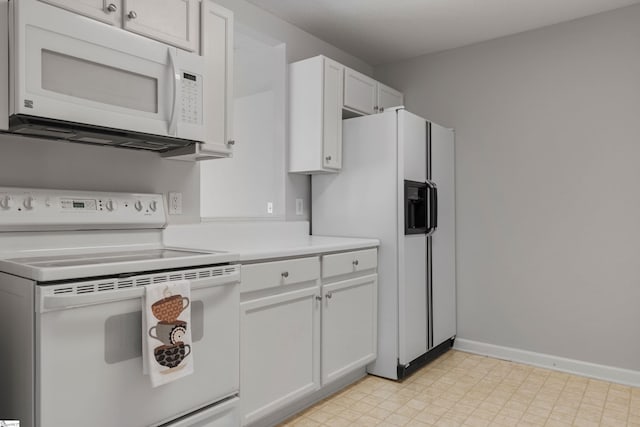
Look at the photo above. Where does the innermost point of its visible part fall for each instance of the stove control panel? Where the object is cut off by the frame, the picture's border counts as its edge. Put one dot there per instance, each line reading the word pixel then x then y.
pixel 30 209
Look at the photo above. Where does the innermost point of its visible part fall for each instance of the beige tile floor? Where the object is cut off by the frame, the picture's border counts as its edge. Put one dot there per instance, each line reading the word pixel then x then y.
pixel 461 389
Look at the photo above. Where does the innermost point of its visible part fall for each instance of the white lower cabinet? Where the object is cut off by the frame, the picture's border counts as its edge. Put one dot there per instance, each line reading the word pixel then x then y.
pixel 298 333
pixel 349 325
pixel 279 351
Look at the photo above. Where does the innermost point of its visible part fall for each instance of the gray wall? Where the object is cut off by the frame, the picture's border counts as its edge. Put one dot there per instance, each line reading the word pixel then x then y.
pixel 547 168
pixel 26 162
pixel 50 164
pixel 300 45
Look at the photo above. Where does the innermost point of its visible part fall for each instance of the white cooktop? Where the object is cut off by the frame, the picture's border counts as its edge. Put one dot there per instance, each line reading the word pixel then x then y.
pixel 75 260
pixel 53 235
pixel 55 267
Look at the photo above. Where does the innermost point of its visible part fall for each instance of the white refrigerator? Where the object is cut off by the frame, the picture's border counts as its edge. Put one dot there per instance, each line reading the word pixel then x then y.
pixel 397 185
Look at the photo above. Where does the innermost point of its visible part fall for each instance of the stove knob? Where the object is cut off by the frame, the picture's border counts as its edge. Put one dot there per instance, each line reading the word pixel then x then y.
pixel 29 203
pixel 138 205
pixel 6 202
pixel 153 205
pixel 111 205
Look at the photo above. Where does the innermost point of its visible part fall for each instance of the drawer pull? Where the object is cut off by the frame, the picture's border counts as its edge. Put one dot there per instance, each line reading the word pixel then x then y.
pixel 285 274
pixel 329 295
pixel 355 262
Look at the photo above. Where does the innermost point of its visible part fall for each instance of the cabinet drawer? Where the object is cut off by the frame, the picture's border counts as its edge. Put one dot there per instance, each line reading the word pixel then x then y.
pixel 349 262
pixel 277 273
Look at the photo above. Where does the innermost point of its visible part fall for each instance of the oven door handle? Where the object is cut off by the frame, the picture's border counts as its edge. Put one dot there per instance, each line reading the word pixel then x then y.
pixel 53 302
pixel 62 301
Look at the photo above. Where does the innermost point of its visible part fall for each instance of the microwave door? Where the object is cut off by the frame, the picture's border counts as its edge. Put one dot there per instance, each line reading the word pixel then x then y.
pixel 72 69
pixel 187 119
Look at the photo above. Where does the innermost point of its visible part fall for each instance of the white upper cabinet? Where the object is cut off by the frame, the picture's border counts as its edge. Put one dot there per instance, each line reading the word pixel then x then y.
pixel 107 11
pixel 321 93
pixel 216 47
pixel 332 126
pixel 360 92
pixel 364 95
pixel 174 22
pixel 315 115
pixel 388 97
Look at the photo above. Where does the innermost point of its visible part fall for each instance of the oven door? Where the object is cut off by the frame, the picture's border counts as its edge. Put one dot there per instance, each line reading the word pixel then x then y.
pixel 89 368
pixel 71 68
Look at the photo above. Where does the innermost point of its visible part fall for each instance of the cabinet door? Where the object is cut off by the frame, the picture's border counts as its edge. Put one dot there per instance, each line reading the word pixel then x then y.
pixel 332 115
pixel 349 325
pixel 174 22
pixel 217 49
pixel 107 11
pixel 279 351
pixel 388 97
pixel 359 92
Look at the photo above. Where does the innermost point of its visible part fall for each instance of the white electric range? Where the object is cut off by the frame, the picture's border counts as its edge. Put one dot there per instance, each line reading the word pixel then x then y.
pixel 73 266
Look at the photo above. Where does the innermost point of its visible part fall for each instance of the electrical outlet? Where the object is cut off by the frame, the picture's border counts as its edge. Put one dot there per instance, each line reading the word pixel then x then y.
pixel 175 203
pixel 299 207
pixel 269 207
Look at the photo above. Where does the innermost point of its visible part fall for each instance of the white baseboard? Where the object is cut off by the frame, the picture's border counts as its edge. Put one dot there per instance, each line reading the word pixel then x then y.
pixel 572 366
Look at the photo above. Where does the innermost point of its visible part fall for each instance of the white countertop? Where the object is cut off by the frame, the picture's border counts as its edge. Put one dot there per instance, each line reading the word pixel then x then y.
pixel 260 241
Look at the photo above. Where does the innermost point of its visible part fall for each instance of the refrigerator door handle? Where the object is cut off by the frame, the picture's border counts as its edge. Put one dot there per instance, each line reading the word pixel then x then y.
pixel 433 208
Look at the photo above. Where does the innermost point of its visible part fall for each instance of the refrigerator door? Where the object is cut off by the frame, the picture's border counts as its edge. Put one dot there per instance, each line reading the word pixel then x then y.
pixel 412 274
pixel 412 146
pixel 443 239
pixel 412 290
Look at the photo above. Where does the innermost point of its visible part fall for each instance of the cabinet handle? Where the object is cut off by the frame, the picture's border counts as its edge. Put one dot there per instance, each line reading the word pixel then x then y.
pixel 132 14
pixel 375 108
pixel 285 274
pixel 328 158
pixel 355 262
pixel 112 7
pixel 380 110
pixel 318 298
pixel 329 294
pixel 231 142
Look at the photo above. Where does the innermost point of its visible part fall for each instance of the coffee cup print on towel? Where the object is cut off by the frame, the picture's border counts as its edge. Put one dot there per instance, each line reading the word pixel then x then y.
pixel 169 333
pixel 169 308
pixel 171 355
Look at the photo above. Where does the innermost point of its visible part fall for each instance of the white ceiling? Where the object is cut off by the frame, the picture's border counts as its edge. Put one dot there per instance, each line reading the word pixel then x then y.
pixel 382 31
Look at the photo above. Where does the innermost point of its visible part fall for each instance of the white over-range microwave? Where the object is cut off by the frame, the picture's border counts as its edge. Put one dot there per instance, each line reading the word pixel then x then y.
pixel 74 78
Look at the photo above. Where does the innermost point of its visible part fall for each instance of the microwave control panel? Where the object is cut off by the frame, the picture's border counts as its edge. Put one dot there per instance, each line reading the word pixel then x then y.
pixel 191 85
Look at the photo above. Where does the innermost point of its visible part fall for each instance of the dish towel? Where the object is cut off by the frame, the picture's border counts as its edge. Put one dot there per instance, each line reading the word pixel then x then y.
pixel 166 332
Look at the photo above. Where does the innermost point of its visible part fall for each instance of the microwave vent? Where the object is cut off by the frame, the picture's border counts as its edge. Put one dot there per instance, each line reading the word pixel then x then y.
pixel 144 145
pixel 48 128
pixel 93 140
